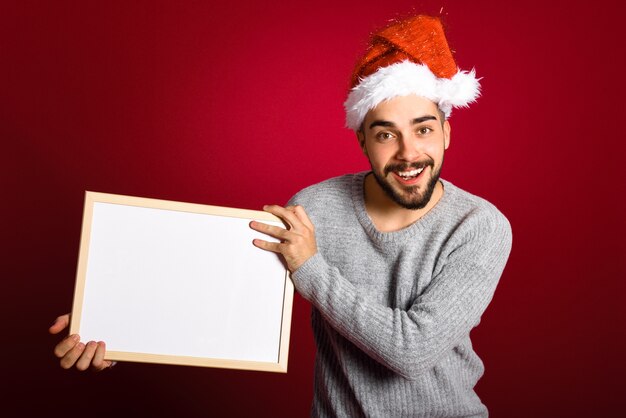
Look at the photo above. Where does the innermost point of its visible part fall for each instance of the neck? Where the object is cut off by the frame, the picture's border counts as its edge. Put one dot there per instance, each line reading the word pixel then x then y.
pixel 386 214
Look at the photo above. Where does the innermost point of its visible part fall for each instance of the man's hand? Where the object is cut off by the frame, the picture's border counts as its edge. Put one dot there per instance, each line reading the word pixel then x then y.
pixel 72 352
pixel 297 242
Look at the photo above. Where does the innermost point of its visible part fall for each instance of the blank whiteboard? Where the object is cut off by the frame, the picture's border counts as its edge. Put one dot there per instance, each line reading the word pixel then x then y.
pixel 180 283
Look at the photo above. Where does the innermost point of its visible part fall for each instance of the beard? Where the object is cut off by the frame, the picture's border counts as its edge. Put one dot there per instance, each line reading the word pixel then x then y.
pixel 409 197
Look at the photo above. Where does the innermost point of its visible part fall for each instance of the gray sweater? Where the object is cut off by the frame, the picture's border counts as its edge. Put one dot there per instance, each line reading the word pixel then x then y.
pixel 392 312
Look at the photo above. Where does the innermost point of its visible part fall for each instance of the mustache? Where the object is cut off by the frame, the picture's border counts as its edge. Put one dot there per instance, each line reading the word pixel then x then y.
pixel 410 166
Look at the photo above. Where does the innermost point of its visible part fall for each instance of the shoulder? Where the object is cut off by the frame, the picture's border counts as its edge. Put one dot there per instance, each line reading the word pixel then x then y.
pixel 330 202
pixel 333 189
pixel 475 215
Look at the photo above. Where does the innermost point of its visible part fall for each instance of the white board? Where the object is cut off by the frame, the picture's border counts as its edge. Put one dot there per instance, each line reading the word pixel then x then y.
pixel 179 283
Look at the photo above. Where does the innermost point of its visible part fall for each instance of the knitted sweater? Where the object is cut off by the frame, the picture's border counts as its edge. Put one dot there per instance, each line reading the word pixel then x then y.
pixel 392 312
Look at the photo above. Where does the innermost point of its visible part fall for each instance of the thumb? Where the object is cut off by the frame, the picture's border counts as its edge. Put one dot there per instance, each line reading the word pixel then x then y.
pixel 59 324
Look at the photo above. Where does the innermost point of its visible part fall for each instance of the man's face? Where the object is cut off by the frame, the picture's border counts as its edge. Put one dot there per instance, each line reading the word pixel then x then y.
pixel 405 139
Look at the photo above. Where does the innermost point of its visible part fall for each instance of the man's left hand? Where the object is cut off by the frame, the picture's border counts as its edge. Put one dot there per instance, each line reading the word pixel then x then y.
pixel 297 242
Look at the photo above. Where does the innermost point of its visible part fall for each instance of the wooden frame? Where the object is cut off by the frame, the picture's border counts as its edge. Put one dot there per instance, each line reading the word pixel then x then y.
pixel 180 283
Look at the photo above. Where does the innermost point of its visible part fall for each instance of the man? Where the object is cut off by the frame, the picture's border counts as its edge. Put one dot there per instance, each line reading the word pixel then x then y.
pixel 398 264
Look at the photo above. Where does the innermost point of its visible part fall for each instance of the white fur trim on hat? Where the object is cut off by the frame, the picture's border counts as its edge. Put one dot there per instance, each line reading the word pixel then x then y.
pixel 406 78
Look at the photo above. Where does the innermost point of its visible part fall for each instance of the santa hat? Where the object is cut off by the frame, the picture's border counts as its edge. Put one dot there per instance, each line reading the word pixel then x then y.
pixel 409 57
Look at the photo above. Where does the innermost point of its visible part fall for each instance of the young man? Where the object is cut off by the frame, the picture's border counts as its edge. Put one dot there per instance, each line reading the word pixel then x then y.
pixel 398 264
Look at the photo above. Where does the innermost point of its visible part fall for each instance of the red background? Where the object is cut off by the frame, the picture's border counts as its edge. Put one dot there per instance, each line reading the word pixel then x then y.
pixel 240 104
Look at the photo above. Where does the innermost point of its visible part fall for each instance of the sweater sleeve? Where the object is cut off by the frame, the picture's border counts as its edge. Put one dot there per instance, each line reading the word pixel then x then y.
pixel 412 341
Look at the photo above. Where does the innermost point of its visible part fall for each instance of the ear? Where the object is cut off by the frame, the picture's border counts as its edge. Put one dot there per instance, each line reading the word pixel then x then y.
pixel 361 137
pixel 446 134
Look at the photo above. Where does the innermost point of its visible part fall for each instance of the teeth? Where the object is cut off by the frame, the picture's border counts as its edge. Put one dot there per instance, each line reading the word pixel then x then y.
pixel 412 173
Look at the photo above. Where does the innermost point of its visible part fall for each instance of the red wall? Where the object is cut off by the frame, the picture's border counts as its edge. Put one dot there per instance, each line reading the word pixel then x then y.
pixel 240 104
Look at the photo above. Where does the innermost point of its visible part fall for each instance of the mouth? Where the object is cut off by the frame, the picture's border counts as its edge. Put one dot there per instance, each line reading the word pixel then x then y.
pixel 408 176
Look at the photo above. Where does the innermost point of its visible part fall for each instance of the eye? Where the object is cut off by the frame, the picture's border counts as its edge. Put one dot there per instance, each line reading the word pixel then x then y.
pixel 384 136
pixel 424 130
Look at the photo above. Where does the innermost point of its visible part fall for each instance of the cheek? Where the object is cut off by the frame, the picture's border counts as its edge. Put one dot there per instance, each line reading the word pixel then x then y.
pixel 435 151
pixel 377 160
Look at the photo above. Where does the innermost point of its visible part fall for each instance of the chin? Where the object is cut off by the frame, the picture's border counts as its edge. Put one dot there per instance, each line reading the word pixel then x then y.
pixel 413 202
pixel 408 197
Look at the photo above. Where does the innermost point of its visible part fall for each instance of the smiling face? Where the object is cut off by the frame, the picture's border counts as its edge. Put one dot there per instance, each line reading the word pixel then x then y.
pixel 405 139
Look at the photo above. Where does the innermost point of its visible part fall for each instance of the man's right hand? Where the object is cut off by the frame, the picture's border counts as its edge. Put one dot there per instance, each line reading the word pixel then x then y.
pixel 72 352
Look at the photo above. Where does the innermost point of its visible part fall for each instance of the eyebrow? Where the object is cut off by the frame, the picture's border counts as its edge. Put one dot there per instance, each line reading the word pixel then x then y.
pixel 388 124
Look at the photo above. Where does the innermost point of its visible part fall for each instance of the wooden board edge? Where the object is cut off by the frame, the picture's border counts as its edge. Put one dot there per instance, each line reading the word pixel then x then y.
pixel 81 270
pixel 182 206
pixel 194 361
pixel 283 357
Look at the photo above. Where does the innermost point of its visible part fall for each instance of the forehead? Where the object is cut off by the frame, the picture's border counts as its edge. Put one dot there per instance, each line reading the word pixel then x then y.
pixel 402 109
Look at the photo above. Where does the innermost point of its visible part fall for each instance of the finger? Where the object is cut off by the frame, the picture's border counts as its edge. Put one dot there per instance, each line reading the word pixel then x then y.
pixel 99 363
pixel 59 324
pixel 66 345
pixel 72 356
pixel 304 218
pixel 284 214
pixel 271 230
pixel 274 247
pixel 290 208
pixel 84 361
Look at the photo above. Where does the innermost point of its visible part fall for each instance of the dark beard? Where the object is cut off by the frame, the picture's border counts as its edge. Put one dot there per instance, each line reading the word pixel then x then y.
pixel 414 201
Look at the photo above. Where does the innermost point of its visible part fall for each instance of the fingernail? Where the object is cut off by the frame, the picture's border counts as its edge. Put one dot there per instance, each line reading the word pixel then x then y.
pixel 75 337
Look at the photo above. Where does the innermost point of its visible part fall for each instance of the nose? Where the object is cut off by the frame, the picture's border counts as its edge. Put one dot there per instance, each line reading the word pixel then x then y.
pixel 407 149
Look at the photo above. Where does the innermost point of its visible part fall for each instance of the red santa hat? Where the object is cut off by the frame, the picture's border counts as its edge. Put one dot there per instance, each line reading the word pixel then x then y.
pixel 409 57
